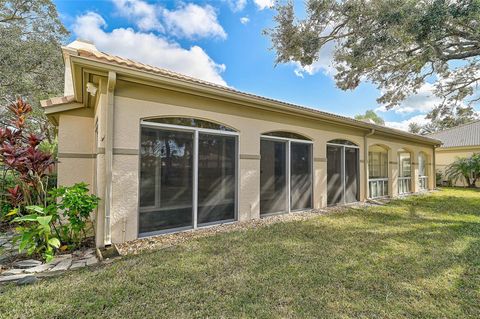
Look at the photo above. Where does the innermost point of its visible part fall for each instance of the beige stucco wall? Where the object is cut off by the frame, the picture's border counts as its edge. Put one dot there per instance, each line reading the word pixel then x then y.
pixel 446 156
pixel 75 148
pixel 134 102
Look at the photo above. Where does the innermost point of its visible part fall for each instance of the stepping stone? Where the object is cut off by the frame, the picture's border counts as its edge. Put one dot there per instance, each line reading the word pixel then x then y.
pixel 12 272
pixel 4 279
pixel 91 261
pixel 27 263
pixel 63 265
pixel 78 264
pixel 28 280
pixel 39 268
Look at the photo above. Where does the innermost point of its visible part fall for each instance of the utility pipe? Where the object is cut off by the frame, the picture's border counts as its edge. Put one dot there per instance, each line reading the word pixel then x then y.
pixel 112 80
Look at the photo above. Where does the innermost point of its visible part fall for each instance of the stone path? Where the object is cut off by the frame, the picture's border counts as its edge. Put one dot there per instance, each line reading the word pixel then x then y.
pixel 26 271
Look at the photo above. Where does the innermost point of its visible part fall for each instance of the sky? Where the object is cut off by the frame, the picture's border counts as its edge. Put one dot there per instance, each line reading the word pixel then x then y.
pixel 221 41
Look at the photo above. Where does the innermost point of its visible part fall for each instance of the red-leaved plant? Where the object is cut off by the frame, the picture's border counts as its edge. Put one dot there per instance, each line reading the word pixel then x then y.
pixel 20 155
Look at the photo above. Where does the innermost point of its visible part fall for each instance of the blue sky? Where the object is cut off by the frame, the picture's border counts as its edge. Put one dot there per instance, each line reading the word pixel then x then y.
pixel 221 41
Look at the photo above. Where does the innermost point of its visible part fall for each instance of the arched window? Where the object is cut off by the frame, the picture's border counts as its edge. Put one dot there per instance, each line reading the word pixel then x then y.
pixel 190 122
pixel 404 171
pixel 342 142
pixel 285 134
pixel 188 174
pixel 422 171
pixel 342 172
pixel 377 171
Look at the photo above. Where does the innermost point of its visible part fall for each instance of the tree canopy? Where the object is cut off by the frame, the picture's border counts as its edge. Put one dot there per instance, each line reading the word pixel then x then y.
pixel 397 45
pixel 30 57
pixel 370 115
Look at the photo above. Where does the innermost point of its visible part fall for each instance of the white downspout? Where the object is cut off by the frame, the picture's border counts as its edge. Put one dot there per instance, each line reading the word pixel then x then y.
pixel 365 161
pixel 112 80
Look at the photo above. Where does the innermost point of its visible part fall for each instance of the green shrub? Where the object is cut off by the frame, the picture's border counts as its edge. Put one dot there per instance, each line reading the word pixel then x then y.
pixel 35 233
pixel 76 205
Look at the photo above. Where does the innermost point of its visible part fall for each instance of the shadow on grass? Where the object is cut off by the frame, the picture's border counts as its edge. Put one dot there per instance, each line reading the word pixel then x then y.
pixel 411 258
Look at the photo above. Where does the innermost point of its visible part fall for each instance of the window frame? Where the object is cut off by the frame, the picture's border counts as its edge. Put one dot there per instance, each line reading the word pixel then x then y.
pixel 288 142
pixel 196 131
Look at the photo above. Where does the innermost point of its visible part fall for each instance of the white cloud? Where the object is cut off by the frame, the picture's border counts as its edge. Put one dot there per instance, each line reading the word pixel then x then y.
pixel 144 14
pixel 148 48
pixel 323 64
pixel 244 20
pixel 263 4
pixel 188 20
pixel 192 20
pixel 424 101
pixel 236 5
pixel 403 125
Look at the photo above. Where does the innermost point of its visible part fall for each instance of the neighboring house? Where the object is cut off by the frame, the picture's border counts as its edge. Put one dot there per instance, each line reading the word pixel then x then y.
pixel 167 152
pixel 460 141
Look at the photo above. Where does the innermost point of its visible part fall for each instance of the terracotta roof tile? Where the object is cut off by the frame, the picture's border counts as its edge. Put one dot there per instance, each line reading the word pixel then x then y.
pixel 104 57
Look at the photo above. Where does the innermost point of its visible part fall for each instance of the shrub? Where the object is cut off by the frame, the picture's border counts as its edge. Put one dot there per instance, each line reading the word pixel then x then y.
pixel 467 168
pixel 76 205
pixel 35 233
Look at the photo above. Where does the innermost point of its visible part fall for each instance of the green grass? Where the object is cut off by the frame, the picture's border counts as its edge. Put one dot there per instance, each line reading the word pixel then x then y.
pixel 417 257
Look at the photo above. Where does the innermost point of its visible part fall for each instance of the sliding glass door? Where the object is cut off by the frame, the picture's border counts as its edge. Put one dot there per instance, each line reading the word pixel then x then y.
pixel 342 172
pixel 166 184
pixel 300 176
pixel 216 178
pixel 285 173
pixel 187 177
pixel 273 176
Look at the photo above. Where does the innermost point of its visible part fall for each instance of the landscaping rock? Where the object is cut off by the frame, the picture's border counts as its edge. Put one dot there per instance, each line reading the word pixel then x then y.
pixel 28 280
pixel 39 268
pixel 27 263
pixel 4 279
pixel 91 261
pixel 12 272
pixel 78 264
pixel 63 265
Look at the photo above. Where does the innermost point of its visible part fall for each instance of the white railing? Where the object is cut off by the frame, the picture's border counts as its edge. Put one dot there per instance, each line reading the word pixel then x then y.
pixel 404 185
pixel 423 182
pixel 378 187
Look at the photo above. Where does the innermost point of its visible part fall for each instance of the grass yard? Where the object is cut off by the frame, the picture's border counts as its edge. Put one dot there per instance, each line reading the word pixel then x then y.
pixel 417 257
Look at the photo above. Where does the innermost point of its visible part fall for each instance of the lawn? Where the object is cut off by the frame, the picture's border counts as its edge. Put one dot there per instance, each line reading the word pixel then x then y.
pixel 415 257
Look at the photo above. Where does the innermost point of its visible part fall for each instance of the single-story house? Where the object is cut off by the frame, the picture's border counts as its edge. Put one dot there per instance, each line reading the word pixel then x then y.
pixel 457 142
pixel 166 152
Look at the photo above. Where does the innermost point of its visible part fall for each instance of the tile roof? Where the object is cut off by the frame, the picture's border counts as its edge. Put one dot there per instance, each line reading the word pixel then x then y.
pixel 460 136
pixel 57 100
pixel 94 54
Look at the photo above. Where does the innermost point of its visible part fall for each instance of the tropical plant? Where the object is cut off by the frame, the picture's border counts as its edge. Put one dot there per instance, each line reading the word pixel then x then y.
pixel 401 46
pixel 76 206
pixel 465 168
pixel 35 232
pixel 23 161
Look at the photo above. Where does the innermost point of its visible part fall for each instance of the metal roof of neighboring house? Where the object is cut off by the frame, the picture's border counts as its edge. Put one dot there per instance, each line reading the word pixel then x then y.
pixel 460 136
pixel 87 50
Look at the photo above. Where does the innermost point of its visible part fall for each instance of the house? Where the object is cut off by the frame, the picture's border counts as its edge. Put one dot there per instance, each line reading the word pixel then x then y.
pixel 457 142
pixel 166 152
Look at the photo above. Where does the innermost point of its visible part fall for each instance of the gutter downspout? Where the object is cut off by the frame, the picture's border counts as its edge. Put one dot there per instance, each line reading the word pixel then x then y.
pixel 365 161
pixel 112 80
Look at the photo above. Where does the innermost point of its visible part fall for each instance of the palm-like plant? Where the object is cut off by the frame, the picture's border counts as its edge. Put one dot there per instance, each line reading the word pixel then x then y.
pixel 466 168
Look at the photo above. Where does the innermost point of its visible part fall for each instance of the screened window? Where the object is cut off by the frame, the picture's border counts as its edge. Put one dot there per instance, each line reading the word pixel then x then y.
pixel 289 135
pixel 184 186
pixel 342 142
pixel 377 163
pixel 404 164
pixel 285 174
pixel 191 122
pixel 422 162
